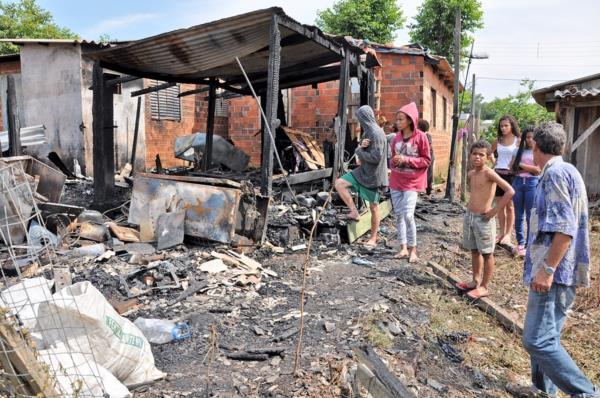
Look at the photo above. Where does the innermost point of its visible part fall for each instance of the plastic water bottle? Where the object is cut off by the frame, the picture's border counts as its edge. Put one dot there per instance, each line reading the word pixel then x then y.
pixel 160 331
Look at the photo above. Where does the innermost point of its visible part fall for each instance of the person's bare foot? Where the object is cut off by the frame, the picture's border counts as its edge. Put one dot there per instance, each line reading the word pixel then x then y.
pixel 467 285
pixel 506 241
pixel 500 238
pixel 354 215
pixel 478 293
pixel 402 254
pixel 413 257
pixel 370 244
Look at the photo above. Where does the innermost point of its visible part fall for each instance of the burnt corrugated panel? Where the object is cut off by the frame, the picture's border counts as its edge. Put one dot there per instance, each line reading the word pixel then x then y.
pixel 188 52
pixel 209 50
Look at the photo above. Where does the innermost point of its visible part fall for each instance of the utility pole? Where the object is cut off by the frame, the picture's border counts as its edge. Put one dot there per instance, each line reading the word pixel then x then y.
pixel 467 140
pixel 451 166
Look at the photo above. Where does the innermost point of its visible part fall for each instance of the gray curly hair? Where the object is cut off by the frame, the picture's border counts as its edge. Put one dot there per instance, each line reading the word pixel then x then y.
pixel 550 138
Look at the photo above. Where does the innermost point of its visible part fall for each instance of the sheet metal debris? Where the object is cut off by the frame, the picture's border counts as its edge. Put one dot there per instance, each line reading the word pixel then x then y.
pixel 210 212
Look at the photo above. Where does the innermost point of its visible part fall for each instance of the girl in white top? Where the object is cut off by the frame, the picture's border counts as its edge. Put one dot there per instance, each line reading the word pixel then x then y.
pixel 505 146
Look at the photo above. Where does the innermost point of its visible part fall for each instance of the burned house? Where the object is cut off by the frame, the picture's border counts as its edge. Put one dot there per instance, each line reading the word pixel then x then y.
pixel 576 104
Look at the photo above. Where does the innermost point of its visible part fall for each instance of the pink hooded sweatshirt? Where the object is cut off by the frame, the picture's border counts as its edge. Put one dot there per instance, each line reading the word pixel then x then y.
pixel 411 175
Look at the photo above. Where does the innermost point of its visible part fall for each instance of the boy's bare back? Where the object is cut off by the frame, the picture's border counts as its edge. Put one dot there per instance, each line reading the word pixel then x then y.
pixel 483 189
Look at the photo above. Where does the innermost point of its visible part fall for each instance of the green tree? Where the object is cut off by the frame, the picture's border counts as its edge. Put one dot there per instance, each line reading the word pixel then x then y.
pixel 374 20
pixel 434 25
pixel 521 106
pixel 26 19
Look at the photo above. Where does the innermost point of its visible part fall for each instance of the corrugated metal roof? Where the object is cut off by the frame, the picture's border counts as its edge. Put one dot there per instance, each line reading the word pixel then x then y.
pixel 54 41
pixel 209 50
pixel 574 91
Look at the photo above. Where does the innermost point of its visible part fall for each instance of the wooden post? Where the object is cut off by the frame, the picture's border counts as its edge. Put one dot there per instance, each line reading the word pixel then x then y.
pixel 450 182
pixel 466 144
pixel 135 133
pixel 338 161
pixel 271 107
pixel 210 127
pixel 103 139
pixel 12 113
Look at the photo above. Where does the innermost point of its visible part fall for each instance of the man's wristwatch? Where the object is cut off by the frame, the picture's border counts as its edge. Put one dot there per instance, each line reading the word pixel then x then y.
pixel 549 270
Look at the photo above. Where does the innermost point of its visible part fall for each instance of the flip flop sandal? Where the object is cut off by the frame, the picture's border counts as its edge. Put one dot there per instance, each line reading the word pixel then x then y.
pixel 475 296
pixel 463 286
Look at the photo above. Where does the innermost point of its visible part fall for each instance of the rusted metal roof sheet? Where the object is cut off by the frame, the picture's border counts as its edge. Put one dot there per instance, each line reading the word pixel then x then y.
pixel 55 41
pixel 581 88
pixel 209 50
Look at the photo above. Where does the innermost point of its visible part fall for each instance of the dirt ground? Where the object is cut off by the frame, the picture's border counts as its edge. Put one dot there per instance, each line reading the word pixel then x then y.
pixel 434 341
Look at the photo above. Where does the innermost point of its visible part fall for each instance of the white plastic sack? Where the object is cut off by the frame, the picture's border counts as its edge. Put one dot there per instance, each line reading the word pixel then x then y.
pixel 117 344
pixel 78 376
pixel 23 299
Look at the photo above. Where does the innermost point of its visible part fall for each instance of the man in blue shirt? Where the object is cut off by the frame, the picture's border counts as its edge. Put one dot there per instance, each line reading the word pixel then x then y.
pixel 557 261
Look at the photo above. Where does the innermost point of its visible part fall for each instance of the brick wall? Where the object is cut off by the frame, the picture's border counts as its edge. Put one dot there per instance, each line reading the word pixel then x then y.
pixel 401 82
pixel 314 110
pixel 244 127
pixel 221 127
pixel 442 132
pixel 161 134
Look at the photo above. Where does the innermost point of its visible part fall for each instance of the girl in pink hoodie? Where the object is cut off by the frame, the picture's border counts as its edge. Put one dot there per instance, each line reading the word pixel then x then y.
pixel 410 160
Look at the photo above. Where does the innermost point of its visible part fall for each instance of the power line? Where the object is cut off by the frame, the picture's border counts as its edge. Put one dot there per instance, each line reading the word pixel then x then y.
pixel 519 80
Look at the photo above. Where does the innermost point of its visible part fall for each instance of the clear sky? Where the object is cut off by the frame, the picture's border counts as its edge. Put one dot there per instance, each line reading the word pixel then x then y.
pixel 553 40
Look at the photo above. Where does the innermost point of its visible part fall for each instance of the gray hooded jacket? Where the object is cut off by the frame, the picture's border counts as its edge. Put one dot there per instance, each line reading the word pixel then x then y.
pixel 372 172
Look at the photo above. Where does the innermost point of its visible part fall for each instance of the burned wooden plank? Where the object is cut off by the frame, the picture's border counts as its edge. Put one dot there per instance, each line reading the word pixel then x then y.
pixel 246 356
pixel 307 176
pixel 382 380
pixel 342 118
pixel 271 107
pixel 486 304
pixel 18 352
pixel 194 288
pixel 359 228
pixel 12 111
pixel 136 131
pixel 119 80
pixel 195 179
pixel 210 128
pixel 103 138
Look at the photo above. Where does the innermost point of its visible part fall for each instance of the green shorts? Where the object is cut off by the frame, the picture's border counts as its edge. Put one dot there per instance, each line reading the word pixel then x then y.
pixel 370 195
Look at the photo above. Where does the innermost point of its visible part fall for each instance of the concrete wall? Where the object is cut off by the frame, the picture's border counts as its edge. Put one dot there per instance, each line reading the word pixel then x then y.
pixel 52 96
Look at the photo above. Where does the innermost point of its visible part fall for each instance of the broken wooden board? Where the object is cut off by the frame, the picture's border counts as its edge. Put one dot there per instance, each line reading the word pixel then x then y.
pixel 376 377
pixel 307 147
pixel 124 234
pixel 486 304
pixel 21 357
pixel 360 227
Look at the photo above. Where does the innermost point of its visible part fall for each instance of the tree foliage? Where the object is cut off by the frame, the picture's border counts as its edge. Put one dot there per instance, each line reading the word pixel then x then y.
pixel 434 25
pixel 26 19
pixel 374 20
pixel 521 106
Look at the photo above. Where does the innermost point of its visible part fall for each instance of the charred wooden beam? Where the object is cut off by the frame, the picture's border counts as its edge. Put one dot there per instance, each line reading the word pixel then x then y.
pixel 152 89
pixel 384 382
pixel 12 110
pixel 103 138
pixel 119 80
pixel 271 107
pixel 342 118
pixel 210 127
pixel 194 91
pixel 135 133
pixel 312 34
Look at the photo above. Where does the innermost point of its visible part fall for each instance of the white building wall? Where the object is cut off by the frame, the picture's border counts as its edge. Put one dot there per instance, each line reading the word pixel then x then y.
pixel 52 96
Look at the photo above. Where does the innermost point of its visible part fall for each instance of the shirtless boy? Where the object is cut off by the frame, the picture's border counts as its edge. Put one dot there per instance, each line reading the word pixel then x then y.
pixel 480 224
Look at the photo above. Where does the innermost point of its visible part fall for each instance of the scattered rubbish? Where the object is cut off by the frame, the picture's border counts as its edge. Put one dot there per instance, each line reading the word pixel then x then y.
pixel 191 148
pixel 140 248
pixel 298 247
pixel 246 356
pixel 90 216
pixel 436 385
pixel 124 234
pixel 40 236
pixel 286 334
pixel 94 250
pixel 329 327
pixel 447 342
pixel 160 331
pixel 362 261
pixel 95 232
pixel 213 266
